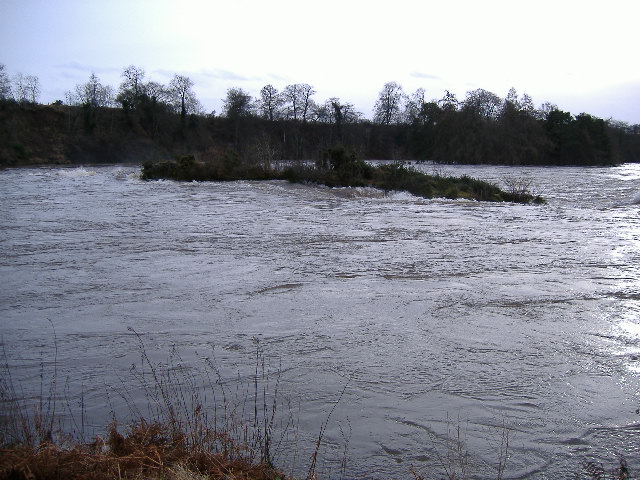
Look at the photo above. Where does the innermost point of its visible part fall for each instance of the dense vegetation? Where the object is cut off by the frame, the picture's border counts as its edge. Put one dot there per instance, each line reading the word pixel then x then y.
pixel 145 120
pixel 336 168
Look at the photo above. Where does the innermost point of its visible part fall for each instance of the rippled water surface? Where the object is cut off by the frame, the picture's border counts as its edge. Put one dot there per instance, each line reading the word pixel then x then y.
pixel 434 314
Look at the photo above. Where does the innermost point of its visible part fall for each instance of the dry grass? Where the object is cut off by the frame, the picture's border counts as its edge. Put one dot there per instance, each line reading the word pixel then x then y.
pixel 179 434
pixel 147 450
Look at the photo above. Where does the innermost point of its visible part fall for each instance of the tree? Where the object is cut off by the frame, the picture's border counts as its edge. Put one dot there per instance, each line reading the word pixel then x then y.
pixel 430 113
pixel 270 102
pixel 306 91
pixel 334 111
pixel 152 104
pixel 526 105
pixel 523 104
pixel 324 113
pixel 92 94
pixel 512 97
pixel 483 104
pixel 132 88
pixel 544 110
pixel 448 103
pixel 182 97
pixel 291 99
pixel 344 111
pixel 560 128
pixel 413 106
pixel 387 107
pixel 297 98
pixel 26 88
pixel 237 104
pixel 133 79
pixel 156 92
pixel 5 84
pixel 596 142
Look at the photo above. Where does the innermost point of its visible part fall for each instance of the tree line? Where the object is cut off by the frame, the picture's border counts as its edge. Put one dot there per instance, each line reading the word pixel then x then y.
pixel 290 123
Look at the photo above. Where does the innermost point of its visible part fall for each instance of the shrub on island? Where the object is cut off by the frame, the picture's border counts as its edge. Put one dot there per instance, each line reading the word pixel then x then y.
pixel 337 167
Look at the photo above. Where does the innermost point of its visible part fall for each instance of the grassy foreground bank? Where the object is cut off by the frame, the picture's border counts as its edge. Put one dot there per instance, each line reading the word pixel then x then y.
pixel 152 451
pixel 337 168
pixel 180 421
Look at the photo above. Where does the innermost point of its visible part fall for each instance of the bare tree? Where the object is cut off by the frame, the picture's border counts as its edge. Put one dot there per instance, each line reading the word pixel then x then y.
pixel 449 102
pixel 297 98
pixel 5 83
pixel 132 87
pixel 324 112
pixel 350 114
pixel 133 80
pixel 341 112
pixel 306 91
pixel 92 94
pixel 156 92
pixel 270 102
pixel 291 100
pixel 26 88
pixel 526 104
pixel 542 112
pixel 523 104
pixel 414 105
pixel 33 88
pixel 512 97
pixel 182 97
pixel 387 107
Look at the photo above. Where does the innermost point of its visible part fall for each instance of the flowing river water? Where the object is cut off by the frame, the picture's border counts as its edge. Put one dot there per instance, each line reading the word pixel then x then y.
pixel 439 319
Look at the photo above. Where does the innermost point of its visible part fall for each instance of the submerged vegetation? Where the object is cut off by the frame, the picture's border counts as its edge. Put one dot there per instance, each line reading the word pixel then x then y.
pixel 337 168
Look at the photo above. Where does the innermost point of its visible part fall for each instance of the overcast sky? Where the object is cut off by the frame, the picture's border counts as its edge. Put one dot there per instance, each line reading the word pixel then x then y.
pixel 581 55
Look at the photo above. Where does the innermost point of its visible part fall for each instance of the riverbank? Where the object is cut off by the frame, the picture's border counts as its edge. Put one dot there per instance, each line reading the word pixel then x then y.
pixel 145 451
pixel 58 134
pixel 337 168
pixel 154 451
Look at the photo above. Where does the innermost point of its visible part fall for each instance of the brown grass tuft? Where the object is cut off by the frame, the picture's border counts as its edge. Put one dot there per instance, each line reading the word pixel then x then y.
pixel 147 451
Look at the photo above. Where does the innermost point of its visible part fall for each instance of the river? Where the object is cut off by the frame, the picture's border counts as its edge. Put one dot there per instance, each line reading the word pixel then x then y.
pixel 434 317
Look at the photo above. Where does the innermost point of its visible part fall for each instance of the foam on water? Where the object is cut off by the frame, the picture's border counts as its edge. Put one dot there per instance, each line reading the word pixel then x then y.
pixel 76 172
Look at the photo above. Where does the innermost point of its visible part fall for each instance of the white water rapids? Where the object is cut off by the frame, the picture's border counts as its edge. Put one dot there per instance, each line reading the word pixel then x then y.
pixel 435 314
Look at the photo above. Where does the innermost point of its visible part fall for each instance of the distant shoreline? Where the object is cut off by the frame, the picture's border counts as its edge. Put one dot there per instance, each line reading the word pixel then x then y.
pixel 34 135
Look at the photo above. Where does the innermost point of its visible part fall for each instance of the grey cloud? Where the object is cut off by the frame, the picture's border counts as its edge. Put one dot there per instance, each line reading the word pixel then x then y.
pixel 425 75
pixel 222 74
pixel 85 68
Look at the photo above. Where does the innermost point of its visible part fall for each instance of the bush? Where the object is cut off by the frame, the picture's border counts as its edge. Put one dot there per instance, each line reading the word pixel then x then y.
pixel 337 168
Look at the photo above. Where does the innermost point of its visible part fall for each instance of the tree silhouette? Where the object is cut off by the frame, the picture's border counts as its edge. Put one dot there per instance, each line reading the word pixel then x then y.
pixel 270 102
pixel 387 107
pixel 5 83
pixel 26 88
pixel 182 97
